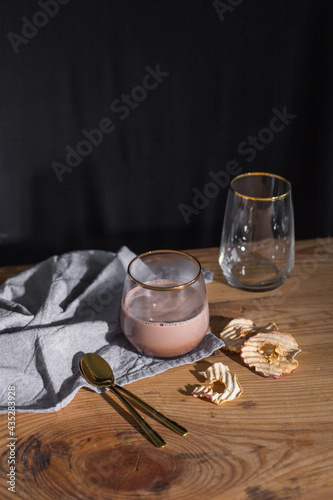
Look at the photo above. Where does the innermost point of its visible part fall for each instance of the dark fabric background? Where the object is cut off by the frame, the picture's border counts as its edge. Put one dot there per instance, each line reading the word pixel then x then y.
pixel 225 78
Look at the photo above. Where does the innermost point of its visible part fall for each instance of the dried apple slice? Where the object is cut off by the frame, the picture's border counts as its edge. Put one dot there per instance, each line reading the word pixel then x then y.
pixel 236 331
pixel 219 373
pixel 271 353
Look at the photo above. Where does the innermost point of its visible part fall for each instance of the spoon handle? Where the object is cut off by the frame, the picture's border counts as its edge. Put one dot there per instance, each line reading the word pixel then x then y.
pixel 159 416
pixel 153 435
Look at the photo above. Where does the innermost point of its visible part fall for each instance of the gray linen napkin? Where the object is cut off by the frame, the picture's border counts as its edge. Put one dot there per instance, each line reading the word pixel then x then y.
pixel 53 313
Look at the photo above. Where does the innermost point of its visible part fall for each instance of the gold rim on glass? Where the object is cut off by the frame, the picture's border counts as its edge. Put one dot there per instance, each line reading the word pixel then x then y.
pixel 161 288
pixel 272 198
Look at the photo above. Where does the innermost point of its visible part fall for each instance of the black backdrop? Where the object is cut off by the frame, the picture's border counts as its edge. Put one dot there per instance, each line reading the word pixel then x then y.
pixel 191 83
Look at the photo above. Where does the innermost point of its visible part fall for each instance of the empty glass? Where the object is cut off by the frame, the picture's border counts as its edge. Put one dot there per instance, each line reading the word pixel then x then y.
pixel 257 245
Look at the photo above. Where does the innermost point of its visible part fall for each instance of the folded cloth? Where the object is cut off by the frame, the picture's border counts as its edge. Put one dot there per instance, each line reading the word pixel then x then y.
pixel 53 313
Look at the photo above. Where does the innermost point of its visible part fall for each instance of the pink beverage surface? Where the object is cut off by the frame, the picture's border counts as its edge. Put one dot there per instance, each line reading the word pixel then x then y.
pixel 165 323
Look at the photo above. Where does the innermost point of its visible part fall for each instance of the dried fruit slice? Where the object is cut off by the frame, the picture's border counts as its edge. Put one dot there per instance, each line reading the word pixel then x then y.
pixel 271 353
pixel 236 331
pixel 219 373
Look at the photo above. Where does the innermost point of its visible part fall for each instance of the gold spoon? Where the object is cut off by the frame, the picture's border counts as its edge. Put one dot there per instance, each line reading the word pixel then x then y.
pixel 102 375
pixel 90 377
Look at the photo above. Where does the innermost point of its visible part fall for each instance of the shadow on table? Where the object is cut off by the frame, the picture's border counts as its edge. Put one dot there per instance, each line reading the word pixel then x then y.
pixel 217 323
pixel 125 413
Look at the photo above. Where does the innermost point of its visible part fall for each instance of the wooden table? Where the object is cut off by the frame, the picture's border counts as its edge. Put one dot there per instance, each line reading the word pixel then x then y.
pixel 274 443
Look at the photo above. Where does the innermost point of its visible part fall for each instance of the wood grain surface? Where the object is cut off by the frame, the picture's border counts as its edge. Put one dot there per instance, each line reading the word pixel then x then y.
pixel 274 443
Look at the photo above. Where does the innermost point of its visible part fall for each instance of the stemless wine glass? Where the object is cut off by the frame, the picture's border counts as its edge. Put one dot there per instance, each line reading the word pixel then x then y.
pixel 258 243
pixel 164 310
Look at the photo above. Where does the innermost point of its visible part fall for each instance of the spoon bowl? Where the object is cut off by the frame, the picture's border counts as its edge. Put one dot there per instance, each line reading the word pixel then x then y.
pixel 97 369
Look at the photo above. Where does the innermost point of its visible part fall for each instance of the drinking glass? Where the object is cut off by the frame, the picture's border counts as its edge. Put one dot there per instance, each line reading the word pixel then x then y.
pixel 258 242
pixel 164 310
